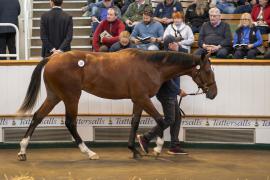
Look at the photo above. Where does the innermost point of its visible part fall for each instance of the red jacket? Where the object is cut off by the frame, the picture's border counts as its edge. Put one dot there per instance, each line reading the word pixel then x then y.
pixel 114 28
pixel 266 13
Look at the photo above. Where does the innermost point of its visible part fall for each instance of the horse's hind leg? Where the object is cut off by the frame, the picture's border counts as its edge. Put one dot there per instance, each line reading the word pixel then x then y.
pixel 136 116
pixel 71 123
pixel 43 111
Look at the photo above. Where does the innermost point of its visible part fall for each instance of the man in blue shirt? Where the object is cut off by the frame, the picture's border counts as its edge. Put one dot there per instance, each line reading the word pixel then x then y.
pixel 164 10
pixel 147 34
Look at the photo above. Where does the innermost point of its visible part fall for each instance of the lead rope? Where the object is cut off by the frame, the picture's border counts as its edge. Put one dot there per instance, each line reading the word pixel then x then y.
pixel 182 113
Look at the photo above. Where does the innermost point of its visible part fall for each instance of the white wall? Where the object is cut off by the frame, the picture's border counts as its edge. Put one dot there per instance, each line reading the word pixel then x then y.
pixel 242 90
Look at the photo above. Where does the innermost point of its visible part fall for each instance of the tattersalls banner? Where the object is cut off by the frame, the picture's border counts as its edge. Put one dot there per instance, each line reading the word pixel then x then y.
pixel 83 121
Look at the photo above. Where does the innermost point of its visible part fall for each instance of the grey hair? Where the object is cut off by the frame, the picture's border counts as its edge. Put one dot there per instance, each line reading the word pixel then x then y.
pixel 214 9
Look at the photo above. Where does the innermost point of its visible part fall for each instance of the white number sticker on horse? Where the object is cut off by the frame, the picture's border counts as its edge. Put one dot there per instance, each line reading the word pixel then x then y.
pixel 81 63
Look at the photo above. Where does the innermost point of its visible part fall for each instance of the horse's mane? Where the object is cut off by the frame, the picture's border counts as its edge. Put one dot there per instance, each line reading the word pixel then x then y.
pixel 170 58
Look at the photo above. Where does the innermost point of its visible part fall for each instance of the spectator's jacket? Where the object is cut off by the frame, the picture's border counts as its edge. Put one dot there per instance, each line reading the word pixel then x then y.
pixel 133 13
pixel 193 18
pixel 162 10
pixel 154 29
pixel 100 11
pixel 266 13
pixel 247 35
pixel 113 28
pixel 118 46
pixel 170 88
pixel 220 35
pixel 184 31
pixel 56 31
pixel 9 12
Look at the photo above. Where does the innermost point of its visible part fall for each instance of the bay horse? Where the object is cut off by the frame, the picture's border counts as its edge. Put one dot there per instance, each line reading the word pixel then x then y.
pixel 128 74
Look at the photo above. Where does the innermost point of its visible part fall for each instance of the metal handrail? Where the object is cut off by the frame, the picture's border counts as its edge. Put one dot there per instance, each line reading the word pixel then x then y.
pixel 27 8
pixel 17 41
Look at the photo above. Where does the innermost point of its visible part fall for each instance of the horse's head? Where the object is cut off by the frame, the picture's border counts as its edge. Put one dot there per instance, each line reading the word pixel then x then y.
pixel 204 77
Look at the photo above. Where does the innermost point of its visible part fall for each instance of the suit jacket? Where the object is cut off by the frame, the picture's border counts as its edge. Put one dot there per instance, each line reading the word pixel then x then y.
pixel 56 31
pixel 9 12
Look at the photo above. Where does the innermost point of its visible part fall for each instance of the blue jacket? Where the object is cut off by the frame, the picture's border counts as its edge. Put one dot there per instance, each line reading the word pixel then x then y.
pixel 170 88
pixel 162 10
pixel 247 35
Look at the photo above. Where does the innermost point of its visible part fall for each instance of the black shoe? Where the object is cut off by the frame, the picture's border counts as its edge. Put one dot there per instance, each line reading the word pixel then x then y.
pixel 176 151
pixel 143 143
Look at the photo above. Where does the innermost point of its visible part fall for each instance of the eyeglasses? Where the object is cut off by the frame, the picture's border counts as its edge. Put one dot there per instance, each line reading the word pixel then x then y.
pixel 214 15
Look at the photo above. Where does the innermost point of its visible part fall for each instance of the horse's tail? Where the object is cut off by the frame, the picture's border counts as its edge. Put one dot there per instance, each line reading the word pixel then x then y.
pixel 33 88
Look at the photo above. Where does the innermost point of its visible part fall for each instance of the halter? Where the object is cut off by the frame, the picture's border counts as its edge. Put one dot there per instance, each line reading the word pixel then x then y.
pixel 204 87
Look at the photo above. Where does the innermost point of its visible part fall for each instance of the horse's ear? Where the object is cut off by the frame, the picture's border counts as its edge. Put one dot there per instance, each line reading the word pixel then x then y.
pixel 204 58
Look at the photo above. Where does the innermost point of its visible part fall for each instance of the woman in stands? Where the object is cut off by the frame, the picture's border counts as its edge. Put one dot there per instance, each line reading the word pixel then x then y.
pixel 247 39
pixel 182 32
pixel 261 16
pixel 197 14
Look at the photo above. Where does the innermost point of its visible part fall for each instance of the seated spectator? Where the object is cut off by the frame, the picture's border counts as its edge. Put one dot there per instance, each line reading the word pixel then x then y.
pixel 261 16
pixel 180 31
pixel 267 53
pixel 108 31
pixel 147 34
pixel 134 13
pixel 225 6
pixel 125 6
pixel 246 7
pixel 124 42
pixel 215 36
pixel 164 10
pixel 246 39
pixel 197 14
pixel 100 10
pixel 10 10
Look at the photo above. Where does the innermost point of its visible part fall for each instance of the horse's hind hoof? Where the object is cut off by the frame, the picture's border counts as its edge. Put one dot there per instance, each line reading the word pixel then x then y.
pixel 21 157
pixel 94 157
pixel 137 155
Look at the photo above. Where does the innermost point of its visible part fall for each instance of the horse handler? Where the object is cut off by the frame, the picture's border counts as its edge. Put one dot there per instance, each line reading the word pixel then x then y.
pixel 167 95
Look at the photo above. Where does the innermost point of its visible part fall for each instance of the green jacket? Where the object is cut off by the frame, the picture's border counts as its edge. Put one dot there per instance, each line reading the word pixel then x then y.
pixel 135 14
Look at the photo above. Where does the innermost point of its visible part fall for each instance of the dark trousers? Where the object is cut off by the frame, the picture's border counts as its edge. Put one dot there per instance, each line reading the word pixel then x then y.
pixel 267 54
pixel 172 118
pixel 7 40
pixel 250 53
pixel 221 53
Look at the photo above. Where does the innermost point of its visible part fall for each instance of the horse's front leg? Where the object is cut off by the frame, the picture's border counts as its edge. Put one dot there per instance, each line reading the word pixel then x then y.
pixel 136 116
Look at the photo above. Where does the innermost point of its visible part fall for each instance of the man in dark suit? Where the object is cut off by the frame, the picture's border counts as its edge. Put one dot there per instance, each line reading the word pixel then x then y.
pixel 56 30
pixel 9 12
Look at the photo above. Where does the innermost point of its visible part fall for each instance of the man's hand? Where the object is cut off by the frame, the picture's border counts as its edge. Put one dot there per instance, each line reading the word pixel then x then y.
pixel 182 93
pixel 153 40
pixel 128 22
pixel 56 51
pixel 137 41
pixel 215 48
pixel 250 46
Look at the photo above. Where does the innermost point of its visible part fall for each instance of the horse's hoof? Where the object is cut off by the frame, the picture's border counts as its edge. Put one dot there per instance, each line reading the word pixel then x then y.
pixel 137 155
pixel 156 152
pixel 21 157
pixel 94 157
